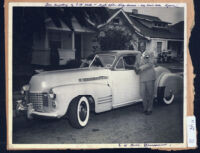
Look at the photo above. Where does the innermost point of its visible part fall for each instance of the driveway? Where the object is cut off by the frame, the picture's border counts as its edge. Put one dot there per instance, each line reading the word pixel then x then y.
pixel 124 125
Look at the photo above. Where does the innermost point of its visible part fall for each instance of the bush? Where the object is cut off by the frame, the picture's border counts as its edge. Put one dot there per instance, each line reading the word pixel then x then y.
pixel 114 39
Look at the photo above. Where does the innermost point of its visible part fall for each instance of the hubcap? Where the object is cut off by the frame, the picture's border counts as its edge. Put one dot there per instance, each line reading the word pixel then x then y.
pixel 169 96
pixel 83 111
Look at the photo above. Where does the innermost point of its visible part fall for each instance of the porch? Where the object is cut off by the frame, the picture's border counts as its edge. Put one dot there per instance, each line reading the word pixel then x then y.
pixel 69 45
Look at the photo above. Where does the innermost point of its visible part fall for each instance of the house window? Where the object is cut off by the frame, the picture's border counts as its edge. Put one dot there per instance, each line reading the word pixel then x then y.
pixel 159 47
pixel 116 21
pixel 55 39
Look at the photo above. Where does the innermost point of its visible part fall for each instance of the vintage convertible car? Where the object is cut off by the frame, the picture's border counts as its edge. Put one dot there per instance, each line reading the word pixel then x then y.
pixel 109 82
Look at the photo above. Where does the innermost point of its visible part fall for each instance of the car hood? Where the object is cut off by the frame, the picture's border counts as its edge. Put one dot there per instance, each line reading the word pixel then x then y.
pixel 46 80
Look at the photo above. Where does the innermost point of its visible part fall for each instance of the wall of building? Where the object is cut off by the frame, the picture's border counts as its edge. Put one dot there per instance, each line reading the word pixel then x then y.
pixel 153 45
pixel 66 40
pixel 40 52
pixel 41 48
pixel 66 53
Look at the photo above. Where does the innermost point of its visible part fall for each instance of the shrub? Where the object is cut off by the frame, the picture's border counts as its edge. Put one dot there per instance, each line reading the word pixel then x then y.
pixel 114 39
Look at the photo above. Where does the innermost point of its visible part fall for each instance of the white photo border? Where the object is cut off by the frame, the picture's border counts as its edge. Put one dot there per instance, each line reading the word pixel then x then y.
pixel 12 146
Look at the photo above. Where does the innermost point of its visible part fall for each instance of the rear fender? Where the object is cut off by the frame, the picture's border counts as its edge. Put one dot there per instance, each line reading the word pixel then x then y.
pixel 65 94
pixel 160 71
pixel 169 82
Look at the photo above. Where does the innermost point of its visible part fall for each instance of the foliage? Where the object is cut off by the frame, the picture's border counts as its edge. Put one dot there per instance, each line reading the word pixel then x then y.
pixel 116 38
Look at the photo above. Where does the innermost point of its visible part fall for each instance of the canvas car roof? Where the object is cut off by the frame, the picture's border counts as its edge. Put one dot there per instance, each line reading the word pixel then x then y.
pixel 119 52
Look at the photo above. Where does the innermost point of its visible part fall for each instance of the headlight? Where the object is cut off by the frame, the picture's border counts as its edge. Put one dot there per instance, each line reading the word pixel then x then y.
pixel 24 89
pixel 52 95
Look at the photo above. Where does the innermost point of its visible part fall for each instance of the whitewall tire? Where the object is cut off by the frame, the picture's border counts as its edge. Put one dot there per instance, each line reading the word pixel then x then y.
pixel 79 112
pixel 169 99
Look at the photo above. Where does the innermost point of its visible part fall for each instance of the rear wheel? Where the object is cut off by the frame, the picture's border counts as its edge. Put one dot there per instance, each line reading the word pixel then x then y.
pixel 165 96
pixel 79 112
pixel 169 98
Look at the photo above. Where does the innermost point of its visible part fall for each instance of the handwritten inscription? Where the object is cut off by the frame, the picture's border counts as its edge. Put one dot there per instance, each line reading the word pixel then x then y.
pixel 145 145
pixel 155 145
pixel 108 5
pixel 191 131
pixel 128 145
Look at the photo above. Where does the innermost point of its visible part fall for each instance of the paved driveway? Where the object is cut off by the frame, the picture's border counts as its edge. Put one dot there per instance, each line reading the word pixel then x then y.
pixel 124 125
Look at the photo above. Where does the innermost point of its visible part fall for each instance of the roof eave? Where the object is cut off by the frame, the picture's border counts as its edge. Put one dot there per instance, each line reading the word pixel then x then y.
pixel 137 30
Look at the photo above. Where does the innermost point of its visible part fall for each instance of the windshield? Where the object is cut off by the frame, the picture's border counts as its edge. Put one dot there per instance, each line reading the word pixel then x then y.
pixel 103 61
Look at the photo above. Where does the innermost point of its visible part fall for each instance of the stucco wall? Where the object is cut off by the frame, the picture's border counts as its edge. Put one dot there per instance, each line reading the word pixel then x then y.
pixel 66 53
pixel 41 48
pixel 66 40
pixel 41 52
pixel 153 45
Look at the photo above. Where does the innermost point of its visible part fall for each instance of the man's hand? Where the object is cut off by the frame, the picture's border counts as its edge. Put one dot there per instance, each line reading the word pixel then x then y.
pixel 137 70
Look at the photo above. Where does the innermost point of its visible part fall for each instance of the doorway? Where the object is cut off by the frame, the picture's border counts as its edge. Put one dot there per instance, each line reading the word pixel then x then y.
pixel 159 47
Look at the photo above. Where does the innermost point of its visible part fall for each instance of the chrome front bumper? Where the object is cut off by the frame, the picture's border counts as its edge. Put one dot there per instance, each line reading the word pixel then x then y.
pixel 20 106
pixel 31 112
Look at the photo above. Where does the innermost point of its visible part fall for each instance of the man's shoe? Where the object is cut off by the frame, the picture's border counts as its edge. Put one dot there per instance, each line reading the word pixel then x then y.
pixel 144 112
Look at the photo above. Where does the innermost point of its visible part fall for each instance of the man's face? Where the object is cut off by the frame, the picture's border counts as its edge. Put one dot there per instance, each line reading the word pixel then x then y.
pixel 145 58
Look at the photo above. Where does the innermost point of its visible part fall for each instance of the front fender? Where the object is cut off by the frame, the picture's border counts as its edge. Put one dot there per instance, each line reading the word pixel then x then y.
pixel 66 93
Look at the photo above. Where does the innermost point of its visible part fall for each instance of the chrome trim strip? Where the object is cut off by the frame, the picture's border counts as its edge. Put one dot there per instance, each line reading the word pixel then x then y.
pixel 105 99
pixel 109 101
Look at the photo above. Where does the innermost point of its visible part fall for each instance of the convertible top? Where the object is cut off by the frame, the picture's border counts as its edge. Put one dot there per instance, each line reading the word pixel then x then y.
pixel 119 52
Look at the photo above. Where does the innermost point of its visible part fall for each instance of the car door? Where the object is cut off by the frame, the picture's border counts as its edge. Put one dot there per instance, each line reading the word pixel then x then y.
pixel 125 81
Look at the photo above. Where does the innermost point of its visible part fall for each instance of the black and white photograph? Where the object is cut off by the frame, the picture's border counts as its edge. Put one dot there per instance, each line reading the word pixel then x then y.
pixel 102 76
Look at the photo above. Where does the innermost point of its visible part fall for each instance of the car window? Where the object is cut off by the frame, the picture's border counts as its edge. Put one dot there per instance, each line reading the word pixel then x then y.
pixel 120 64
pixel 102 60
pixel 97 62
pixel 129 61
pixel 107 59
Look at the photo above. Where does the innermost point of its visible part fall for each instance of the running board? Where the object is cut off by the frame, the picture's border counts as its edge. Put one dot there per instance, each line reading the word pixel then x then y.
pixel 127 103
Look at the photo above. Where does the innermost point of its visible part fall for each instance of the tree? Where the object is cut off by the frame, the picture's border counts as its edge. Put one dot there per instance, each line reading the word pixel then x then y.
pixel 114 38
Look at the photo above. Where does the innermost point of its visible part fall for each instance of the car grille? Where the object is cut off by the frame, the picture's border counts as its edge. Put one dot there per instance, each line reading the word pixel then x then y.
pixel 39 101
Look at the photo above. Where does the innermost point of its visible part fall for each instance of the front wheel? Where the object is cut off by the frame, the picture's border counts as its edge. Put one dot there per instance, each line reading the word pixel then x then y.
pixel 79 112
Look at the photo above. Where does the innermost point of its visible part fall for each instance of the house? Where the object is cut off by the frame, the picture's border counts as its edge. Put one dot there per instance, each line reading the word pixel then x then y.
pixel 148 32
pixel 70 44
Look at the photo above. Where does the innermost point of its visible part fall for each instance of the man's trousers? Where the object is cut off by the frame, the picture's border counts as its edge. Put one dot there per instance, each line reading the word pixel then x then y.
pixel 147 94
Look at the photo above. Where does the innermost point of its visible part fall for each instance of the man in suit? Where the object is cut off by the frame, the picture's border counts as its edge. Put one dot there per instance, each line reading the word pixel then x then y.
pixel 147 80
